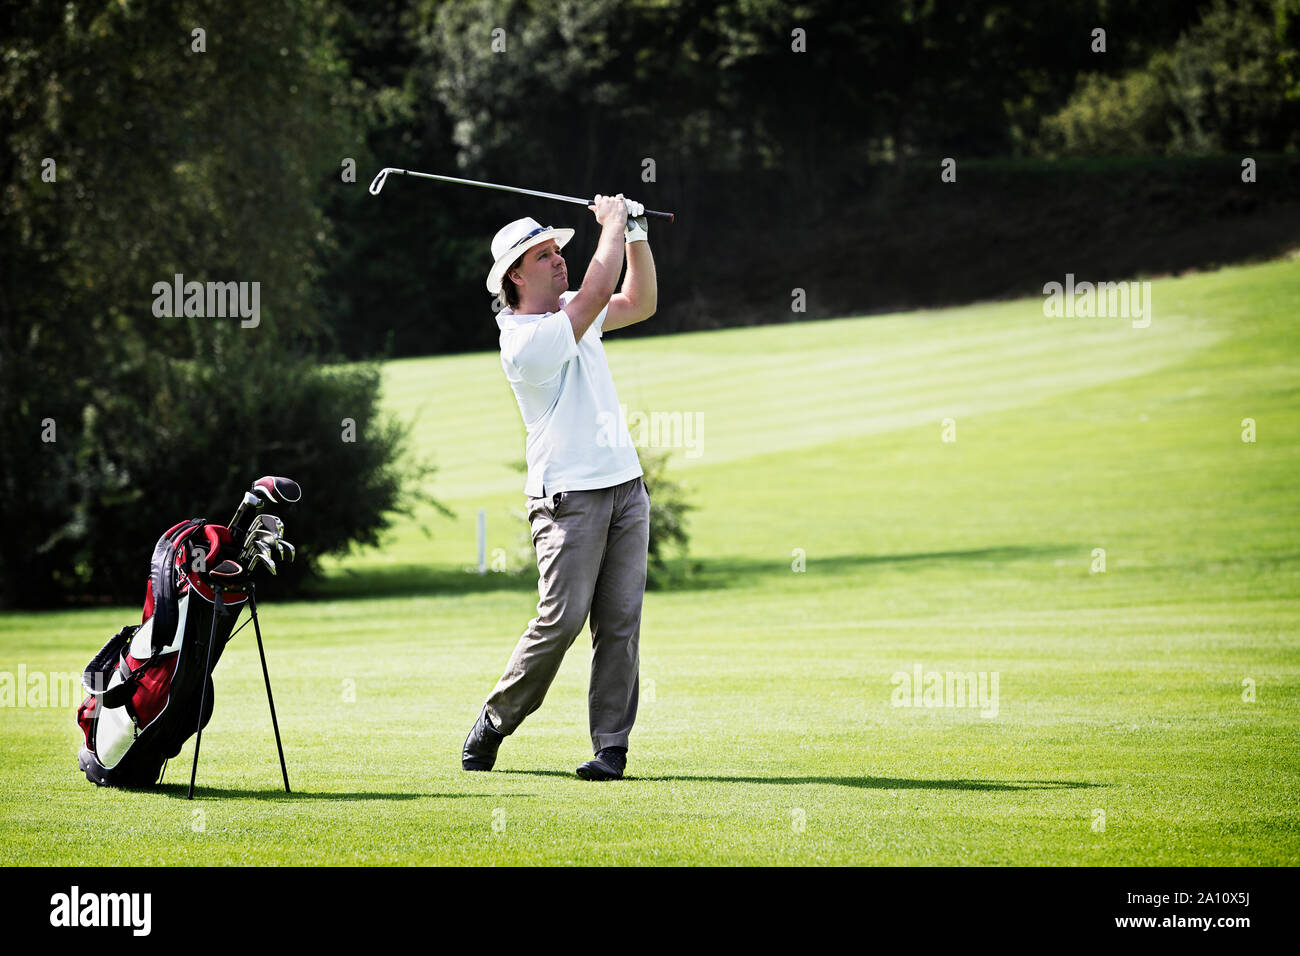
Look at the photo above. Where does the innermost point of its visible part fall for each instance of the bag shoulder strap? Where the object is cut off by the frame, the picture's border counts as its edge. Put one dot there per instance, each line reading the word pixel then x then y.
pixel 162 578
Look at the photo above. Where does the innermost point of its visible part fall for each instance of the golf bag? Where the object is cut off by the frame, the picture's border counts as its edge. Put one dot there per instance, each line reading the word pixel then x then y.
pixel 147 684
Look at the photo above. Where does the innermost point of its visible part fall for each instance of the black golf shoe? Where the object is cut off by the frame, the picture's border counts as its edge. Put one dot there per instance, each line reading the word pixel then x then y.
pixel 609 764
pixel 480 751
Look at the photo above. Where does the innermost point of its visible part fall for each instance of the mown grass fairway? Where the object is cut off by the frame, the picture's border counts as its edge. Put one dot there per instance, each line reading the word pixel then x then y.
pixel 767 733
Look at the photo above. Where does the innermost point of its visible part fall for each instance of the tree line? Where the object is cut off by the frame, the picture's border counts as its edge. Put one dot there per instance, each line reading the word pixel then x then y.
pixel 232 143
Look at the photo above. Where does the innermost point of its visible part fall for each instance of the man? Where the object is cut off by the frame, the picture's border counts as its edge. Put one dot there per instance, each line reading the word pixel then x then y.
pixel 587 502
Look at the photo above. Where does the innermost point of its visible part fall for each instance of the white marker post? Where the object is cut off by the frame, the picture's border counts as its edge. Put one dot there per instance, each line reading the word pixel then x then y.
pixel 482 541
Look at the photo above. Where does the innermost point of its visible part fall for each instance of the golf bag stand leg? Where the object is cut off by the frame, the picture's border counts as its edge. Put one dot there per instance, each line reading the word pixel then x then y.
pixel 218 610
pixel 275 724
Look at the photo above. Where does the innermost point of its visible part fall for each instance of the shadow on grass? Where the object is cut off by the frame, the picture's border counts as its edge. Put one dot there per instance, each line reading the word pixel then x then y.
pixel 200 792
pixel 721 573
pixel 708 574
pixel 866 783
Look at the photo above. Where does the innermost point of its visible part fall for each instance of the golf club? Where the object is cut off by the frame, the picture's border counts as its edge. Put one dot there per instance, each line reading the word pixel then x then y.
pixel 250 501
pixel 378 184
pixel 253 542
pixel 277 489
pixel 266 489
pixel 258 534
pixel 273 542
pixel 250 548
pixel 264 545
pixel 259 539
pixel 271 523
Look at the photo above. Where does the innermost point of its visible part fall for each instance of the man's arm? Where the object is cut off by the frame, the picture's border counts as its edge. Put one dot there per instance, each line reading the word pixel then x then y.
pixel 640 294
pixel 602 275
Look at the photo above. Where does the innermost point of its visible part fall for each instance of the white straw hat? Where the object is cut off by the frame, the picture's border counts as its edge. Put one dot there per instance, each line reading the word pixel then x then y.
pixel 514 240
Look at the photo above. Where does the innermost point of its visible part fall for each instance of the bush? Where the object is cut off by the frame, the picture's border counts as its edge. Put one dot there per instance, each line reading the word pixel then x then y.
pixel 1111 116
pixel 175 439
pixel 1222 87
pixel 668 507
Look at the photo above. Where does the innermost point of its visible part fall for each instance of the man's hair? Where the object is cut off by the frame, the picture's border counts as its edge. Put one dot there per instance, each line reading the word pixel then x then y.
pixel 510 291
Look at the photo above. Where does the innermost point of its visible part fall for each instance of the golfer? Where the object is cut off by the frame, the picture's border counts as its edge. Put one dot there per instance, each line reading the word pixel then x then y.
pixel 587 503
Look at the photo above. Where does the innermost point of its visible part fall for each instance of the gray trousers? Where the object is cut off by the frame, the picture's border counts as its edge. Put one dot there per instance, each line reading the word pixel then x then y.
pixel 591 553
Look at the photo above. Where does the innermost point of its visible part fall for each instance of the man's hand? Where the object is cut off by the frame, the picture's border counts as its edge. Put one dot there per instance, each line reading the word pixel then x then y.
pixel 638 228
pixel 610 211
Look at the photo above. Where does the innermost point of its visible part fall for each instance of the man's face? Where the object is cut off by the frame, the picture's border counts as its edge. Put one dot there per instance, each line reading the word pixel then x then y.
pixel 542 269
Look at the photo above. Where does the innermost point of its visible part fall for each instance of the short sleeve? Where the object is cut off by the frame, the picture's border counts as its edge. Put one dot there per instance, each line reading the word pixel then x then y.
pixel 540 349
pixel 597 326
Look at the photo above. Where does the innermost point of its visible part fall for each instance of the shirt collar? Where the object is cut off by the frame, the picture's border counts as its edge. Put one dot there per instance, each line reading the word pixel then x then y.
pixel 507 319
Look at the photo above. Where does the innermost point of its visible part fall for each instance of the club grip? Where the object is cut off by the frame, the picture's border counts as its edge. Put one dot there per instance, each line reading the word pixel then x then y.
pixel 652 213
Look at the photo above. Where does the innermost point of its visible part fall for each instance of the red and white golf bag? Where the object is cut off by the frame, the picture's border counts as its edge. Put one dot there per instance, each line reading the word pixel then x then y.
pixel 147 685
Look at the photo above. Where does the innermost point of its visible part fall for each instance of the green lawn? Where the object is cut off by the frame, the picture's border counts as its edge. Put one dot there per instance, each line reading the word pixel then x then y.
pixel 767 733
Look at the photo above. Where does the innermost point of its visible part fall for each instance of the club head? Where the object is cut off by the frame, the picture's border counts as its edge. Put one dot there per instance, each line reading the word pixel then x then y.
pixel 270 522
pixel 258 533
pixel 250 544
pixel 263 540
pixel 377 183
pixel 273 541
pixel 277 489
pixel 263 557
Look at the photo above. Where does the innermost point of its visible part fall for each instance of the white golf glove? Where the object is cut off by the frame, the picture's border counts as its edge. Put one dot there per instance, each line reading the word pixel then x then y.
pixel 638 227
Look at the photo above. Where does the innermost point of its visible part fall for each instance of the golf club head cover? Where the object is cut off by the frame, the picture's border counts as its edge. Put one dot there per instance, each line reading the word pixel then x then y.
pixel 278 489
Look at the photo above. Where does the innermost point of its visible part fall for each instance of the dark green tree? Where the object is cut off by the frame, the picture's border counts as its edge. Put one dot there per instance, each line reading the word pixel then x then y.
pixel 1224 85
pixel 142 141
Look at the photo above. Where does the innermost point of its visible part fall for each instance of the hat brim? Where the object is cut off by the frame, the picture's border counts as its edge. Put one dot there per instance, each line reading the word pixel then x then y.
pixel 561 236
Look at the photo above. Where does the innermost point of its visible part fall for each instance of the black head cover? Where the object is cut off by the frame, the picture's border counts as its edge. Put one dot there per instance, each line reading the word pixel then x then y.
pixel 278 489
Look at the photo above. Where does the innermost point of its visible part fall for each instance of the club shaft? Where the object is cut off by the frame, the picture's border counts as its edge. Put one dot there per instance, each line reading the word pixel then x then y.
pixel 506 189
pixel 379 182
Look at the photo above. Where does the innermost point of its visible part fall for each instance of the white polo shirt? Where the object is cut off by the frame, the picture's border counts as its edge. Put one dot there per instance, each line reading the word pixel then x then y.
pixel 577 438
